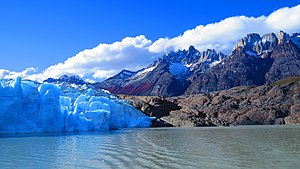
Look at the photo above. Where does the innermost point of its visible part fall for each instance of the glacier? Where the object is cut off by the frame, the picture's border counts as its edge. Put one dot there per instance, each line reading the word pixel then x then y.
pixel 28 106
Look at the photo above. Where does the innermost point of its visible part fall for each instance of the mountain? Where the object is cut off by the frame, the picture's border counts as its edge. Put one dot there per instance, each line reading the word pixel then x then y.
pixel 27 106
pixel 286 59
pixel 113 83
pixel 167 76
pixel 68 79
pixel 238 70
pixel 255 60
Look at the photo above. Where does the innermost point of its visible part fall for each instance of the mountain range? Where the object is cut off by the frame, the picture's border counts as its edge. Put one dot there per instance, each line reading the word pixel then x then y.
pixel 254 60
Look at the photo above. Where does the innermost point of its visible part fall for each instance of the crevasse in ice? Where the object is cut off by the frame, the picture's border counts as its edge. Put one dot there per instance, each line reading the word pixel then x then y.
pixel 27 106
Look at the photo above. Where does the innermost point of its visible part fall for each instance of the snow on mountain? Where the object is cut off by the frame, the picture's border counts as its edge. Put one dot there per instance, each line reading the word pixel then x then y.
pixel 179 70
pixel 125 74
pixel 214 63
pixel 262 47
pixel 128 73
pixel 186 57
pixel 167 76
pixel 255 60
pixel 27 106
pixel 143 73
pixel 252 54
pixel 296 39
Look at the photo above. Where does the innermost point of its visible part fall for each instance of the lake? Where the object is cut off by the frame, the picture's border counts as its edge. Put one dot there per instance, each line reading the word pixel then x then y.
pixel 221 147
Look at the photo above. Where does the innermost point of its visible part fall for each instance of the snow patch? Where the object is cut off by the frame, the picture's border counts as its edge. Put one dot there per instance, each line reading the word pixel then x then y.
pixel 252 54
pixel 214 63
pixel 296 41
pixel 128 73
pixel 188 65
pixel 140 75
pixel 146 70
pixel 178 70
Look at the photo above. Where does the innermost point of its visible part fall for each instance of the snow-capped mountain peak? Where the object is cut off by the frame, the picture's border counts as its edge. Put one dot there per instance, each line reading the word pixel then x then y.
pixel 189 56
pixel 261 47
pixel 125 74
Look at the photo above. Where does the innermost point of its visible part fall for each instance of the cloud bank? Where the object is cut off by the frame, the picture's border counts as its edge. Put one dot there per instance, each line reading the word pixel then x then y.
pixel 223 35
pixel 6 74
pixel 134 53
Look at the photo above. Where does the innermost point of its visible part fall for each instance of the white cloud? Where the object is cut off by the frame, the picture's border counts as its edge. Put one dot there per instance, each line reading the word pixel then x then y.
pixel 224 34
pixel 286 19
pixel 6 74
pixel 105 60
pixel 134 53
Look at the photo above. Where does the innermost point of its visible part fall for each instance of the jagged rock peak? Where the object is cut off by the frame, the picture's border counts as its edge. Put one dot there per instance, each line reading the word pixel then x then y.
pixel 250 39
pixel 192 56
pixel 270 37
pixel 185 56
pixel 125 74
pixel 208 54
pixel 192 50
pixel 283 37
pixel 69 77
pixel 269 41
pixel 63 77
pixel 128 72
pixel 256 45
pixel 72 77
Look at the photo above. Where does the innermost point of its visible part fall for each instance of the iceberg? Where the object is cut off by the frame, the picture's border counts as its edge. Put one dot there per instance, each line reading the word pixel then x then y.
pixel 27 106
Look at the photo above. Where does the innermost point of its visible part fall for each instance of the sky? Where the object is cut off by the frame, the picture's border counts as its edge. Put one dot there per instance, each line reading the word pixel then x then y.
pixel 96 39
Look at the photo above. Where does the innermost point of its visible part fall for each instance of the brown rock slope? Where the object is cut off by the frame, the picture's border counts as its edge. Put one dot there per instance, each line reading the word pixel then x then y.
pixel 277 103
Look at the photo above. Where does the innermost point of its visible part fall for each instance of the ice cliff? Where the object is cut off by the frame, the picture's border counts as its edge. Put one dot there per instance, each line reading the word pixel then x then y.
pixel 27 106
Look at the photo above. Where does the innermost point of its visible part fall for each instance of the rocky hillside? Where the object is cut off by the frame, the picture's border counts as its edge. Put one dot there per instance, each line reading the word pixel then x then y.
pixel 276 103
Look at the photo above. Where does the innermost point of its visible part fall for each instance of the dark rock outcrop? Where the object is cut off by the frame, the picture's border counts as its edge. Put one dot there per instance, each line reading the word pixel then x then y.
pixel 286 62
pixel 277 103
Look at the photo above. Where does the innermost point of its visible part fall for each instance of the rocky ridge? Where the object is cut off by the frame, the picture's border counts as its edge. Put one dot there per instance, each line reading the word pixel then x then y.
pixel 276 103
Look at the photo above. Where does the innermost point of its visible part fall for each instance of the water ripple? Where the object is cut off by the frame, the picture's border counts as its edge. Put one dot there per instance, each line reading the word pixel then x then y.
pixel 237 147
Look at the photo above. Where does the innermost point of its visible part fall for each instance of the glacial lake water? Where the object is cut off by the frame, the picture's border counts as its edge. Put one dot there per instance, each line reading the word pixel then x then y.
pixel 256 147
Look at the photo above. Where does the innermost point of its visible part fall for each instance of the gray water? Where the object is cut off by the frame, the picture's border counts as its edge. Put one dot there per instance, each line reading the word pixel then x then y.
pixel 227 147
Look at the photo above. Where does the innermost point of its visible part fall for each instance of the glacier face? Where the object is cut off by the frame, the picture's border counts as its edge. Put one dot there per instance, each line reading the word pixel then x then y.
pixel 27 106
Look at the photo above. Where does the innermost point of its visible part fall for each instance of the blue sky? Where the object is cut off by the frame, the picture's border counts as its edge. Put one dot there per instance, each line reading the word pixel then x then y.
pixel 41 33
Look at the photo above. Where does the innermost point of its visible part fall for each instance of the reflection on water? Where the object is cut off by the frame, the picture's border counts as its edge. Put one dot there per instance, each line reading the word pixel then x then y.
pixel 230 147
